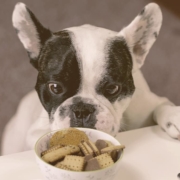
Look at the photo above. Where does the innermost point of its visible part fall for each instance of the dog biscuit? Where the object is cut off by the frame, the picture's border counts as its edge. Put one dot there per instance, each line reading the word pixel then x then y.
pixel 62 166
pixel 111 148
pixel 109 143
pixel 90 151
pixel 88 157
pixel 104 160
pixel 60 153
pixel 85 148
pixel 93 147
pixel 100 144
pixel 92 165
pixel 115 154
pixel 70 136
pixel 60 162
pixel 51 149
pixel 75 163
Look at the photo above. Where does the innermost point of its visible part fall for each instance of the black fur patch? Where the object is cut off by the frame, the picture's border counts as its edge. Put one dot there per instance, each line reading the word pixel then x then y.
pixel 42 33
pixel 155 35
pixel 142 12
pixel 139 28
pixel 82 115
pixel 57 64
pixel 168 124
pixel 17 30
pixel 118 67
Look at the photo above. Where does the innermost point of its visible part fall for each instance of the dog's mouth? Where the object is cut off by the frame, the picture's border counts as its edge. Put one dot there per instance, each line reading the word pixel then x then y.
pixel 87 113
pixel 88 122
pixel 82 115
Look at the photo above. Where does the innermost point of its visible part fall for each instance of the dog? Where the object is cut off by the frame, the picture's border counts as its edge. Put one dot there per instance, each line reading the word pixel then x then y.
pixel 88 77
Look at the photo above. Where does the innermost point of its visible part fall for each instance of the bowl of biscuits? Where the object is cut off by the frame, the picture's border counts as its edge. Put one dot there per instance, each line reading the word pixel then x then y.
pixel 78 153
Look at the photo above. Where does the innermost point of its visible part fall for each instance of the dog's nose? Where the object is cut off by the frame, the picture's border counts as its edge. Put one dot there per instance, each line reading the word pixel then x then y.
pixel 82 110
pixel 82 113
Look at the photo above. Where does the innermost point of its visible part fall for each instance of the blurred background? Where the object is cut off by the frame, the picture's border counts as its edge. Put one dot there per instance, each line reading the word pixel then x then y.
pixel 18 77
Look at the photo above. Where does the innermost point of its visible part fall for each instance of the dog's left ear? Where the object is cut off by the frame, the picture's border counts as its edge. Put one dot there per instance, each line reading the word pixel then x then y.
pixel 30 32
pixel 142 32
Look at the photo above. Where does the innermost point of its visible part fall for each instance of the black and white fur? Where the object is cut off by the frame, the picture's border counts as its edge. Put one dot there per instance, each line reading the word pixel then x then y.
pixel 88 77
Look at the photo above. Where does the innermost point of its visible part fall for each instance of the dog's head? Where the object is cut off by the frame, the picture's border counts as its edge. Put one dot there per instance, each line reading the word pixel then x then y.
pixel 85 73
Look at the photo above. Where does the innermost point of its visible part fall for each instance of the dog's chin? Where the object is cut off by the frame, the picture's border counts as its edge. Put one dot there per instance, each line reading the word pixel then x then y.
pixel 104 122
pixel 60 123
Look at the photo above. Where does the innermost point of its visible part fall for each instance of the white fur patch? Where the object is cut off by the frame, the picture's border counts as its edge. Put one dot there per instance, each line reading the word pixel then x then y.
pixel 60 124
pixel 168 117
pixel 89 42
pixel 27 32
pixel 142 32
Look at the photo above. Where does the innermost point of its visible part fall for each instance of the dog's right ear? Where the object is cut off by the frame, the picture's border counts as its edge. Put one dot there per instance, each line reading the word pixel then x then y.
pixel 30 31
pixel 142 32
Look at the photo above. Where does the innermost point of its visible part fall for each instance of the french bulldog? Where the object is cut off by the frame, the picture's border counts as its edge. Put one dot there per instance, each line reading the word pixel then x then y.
pixel 88 77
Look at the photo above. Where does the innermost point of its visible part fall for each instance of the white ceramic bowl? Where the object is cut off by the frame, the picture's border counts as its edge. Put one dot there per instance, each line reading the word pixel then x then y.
pixel 53 173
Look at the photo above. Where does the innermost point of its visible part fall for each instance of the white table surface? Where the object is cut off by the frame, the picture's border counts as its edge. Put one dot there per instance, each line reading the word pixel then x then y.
pixel 150 154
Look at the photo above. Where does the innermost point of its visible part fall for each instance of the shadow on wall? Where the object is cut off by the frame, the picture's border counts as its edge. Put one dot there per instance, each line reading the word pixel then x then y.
pixel 173 6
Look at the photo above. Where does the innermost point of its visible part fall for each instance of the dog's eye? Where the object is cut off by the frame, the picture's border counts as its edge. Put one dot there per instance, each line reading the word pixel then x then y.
pixel 55 88
pixel 112 89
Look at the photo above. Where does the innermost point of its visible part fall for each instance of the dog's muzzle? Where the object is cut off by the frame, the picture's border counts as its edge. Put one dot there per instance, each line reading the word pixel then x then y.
pixel 82 115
